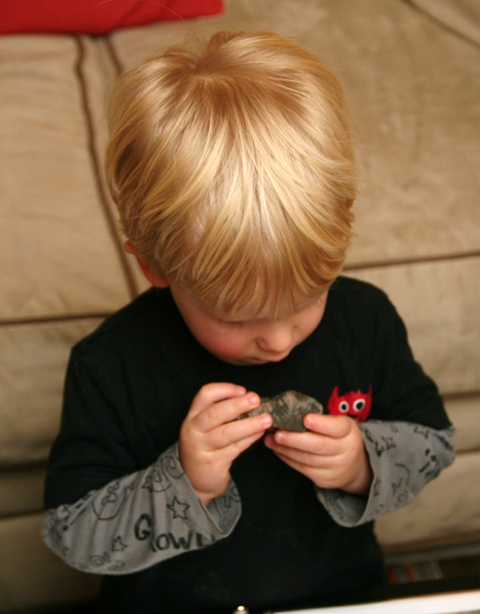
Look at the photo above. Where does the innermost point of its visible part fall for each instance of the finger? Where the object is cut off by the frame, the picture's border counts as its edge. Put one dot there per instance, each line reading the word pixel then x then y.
pixel 244 444
pixel 331 426
pixel 298 465
pixel 311 443
pixel 226 411
pixel 214 393
pixel 324 477
pixel 235 432
pixel 305 455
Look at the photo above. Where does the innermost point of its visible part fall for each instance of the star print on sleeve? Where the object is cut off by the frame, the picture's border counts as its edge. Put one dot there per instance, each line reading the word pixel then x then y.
pixel 139 520
pixel 118 545
pixel 179 509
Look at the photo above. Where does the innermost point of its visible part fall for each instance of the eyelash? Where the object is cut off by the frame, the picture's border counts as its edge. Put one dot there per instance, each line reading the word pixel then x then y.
pixel 241 323
pixel 238 324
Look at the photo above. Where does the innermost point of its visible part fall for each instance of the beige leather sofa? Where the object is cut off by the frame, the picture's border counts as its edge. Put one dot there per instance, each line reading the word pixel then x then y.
pixel 411 71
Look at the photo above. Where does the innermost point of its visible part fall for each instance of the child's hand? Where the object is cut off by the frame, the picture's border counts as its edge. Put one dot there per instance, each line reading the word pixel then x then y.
pixel 331 453
pixel 211 438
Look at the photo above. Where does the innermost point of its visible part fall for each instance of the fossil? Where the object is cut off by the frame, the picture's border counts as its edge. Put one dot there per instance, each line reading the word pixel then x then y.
pixel 287 409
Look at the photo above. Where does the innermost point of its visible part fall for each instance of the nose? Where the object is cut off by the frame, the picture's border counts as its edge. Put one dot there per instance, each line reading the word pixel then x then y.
pixel 276 337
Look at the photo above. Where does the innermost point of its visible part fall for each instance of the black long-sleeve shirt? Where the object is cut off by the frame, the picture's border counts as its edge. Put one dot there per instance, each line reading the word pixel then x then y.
pixel 121 505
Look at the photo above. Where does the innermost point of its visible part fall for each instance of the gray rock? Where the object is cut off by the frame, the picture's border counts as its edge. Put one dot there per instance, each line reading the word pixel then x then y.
pixel 288 410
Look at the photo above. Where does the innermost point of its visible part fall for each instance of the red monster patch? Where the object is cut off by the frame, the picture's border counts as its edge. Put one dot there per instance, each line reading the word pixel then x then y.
pixel 357 405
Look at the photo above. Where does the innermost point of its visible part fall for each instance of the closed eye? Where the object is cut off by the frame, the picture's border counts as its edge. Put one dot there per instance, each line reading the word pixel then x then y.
pixel 236 323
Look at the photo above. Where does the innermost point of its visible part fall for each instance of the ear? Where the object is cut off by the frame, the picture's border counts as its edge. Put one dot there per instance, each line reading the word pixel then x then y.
pixel 156 279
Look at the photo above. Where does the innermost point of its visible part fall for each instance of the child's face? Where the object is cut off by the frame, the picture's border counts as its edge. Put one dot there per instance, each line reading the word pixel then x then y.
pixel 245 341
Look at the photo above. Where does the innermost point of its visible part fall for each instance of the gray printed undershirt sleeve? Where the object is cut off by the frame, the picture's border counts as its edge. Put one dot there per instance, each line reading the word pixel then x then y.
pixel 139 520
pixel 154 514
pixel 404 457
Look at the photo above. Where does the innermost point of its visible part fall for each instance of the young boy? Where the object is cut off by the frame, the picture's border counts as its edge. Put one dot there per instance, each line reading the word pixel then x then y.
pixel 233 173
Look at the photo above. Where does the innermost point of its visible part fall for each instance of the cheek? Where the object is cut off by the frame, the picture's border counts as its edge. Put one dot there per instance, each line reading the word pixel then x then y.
pixel 310 323
pixel 225 344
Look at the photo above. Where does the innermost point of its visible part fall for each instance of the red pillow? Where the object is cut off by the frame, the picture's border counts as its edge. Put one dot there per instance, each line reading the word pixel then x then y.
pixel 96 16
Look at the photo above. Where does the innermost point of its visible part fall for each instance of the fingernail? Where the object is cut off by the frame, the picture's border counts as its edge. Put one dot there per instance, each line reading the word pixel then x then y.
pixel 308 421
pixel 253 400
pixel 266 420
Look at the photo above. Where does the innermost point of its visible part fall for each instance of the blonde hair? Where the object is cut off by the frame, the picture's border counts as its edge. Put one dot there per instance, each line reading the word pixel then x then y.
pixel 232 170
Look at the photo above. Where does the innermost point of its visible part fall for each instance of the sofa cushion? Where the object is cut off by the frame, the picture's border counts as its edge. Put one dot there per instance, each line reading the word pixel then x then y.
pixel 463 412
pixel 62 265
pixel 460 16
pixel 94 17
pixel 21 490
pixel 438 300
pixel 30 574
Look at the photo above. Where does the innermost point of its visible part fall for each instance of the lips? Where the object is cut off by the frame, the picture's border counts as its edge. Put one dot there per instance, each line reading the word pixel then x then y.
pixel 266 360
